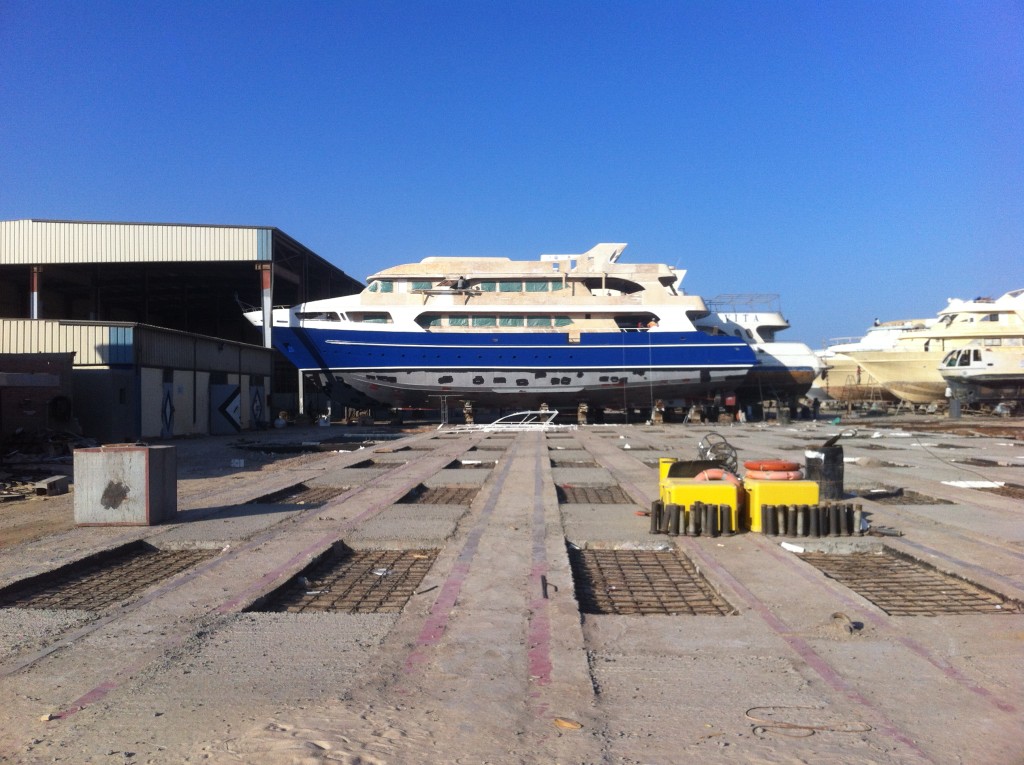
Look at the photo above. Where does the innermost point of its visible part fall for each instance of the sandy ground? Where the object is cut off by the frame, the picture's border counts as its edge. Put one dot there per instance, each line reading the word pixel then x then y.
pixel 490 661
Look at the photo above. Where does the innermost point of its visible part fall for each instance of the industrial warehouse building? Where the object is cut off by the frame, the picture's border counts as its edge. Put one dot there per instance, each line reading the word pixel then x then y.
pixel 153 316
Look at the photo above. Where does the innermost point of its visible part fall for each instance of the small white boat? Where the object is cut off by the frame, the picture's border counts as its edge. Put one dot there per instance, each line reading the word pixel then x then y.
pixel 987 371
pixel 532 420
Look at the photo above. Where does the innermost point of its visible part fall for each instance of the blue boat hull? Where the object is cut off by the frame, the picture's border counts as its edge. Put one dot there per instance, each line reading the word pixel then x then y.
pixel 521 369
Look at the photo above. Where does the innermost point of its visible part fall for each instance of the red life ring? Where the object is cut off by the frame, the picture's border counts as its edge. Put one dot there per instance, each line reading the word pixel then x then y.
pixel 771 465
pixel 717 474
pixel 774 475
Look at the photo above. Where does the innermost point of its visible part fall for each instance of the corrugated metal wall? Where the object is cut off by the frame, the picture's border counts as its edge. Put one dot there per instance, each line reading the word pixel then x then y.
pixel 93 344
pixel 97 344
pixel 35 242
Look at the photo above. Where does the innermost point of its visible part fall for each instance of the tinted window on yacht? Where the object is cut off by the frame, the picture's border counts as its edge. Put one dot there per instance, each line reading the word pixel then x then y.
pixel 511 321
pixel 374 317
pixel 422 285
pixel 538 321
pixel 510 286
pixel 485 321
pixel 458 321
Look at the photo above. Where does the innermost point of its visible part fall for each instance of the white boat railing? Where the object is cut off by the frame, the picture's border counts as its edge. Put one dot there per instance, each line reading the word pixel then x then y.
pixel 534 419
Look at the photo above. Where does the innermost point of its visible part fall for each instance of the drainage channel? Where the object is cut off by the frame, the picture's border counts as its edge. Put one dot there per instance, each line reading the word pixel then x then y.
pixel 565 463
pixel 102 580
pixel 471 465
pixel 1012 490
pixel 642 582
pixel 903 586
pixel 890 496
pixel 344 580
pixel 592 495
pixel 439 495
pixel 300 494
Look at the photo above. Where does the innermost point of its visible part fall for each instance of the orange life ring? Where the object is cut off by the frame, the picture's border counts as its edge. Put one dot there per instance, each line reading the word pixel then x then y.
pixel 774 475
pixel 717 474
pixel 771 465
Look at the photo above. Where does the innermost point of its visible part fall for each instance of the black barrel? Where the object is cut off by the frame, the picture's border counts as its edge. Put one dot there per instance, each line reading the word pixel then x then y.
pixel 656 516
pixel 815 520
pixel 835 522
pixel 693 520
pixel 727 524
pixel 801 520
pixel 825 465
pixel 673 519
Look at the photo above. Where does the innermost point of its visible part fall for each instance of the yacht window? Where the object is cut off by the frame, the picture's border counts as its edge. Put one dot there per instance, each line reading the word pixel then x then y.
pixel 511 321
pixel 1016 342
pixel 387 286
pixel 374 287
pixel 510 286
pixel 768 335
pixel 538 321
pixel 562 321
pixel 990 341
pixel 429 320
pixel 372 317
pixel 458 321
pixel 950 360
pixel 319 315
pixel 965 359
pixel 977 355
pixel 488 286
pixel 421 285
pixel 750 335
pixel 485 321
pixel 536 286
pixel 737 333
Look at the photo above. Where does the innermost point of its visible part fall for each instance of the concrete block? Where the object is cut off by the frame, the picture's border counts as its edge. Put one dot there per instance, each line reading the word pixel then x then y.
pixel 52 486
pixel 125 485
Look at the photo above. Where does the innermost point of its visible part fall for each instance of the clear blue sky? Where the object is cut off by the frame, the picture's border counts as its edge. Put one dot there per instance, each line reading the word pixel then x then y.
pixel 861 159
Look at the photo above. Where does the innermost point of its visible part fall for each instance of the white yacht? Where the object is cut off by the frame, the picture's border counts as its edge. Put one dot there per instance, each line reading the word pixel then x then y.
pixel 560 330
pixel 843 379
pixel 910 369
pixel 785 371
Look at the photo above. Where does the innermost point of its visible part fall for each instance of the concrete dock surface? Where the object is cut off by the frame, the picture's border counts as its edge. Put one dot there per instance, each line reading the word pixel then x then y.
pixel 494 549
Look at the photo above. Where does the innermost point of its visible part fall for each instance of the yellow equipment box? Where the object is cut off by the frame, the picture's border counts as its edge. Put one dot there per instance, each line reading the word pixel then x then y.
pixel 685 491
pixel 760 492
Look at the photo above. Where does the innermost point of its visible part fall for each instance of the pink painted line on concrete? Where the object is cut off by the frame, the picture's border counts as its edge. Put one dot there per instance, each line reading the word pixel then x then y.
pixel 101 690
pixel 441 611
pixel 804 649
pixel 882 623
pixel 538 635
pixel 798 644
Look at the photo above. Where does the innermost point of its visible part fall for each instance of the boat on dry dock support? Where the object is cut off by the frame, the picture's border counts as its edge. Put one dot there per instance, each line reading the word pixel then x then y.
pixel 561 330
pixel 785 371
pixel 910 369
pixel 989 371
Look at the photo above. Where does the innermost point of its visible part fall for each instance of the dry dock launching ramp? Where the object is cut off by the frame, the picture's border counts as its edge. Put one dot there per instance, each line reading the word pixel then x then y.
pixel 496 598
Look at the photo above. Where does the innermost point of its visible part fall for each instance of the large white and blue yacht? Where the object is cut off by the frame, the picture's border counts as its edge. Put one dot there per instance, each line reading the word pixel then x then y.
pixel 561 330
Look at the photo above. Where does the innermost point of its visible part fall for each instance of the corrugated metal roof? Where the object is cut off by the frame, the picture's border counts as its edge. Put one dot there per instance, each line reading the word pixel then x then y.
pixel 41 242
